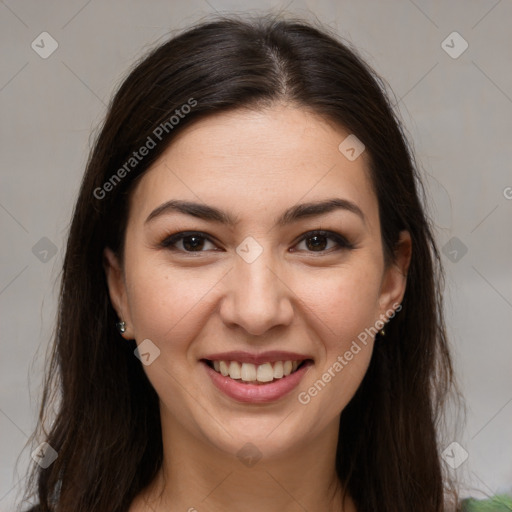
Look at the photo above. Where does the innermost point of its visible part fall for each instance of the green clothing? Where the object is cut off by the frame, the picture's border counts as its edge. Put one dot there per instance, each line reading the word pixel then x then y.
pixel 500 503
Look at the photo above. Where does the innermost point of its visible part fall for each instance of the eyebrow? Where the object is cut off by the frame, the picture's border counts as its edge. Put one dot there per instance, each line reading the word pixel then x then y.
pixel 289 216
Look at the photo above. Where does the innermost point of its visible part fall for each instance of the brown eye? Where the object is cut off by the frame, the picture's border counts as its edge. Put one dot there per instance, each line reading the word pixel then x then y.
pixel 315 242
pixel 318 241
pixel 190 242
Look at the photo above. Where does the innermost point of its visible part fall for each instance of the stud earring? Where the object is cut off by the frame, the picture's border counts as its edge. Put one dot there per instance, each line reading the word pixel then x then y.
pixel 382 332
pixel 121 327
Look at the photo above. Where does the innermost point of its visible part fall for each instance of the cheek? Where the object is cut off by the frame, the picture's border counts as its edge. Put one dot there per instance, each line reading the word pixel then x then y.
pixel 345 304
pixel 345 300
pixel 164 302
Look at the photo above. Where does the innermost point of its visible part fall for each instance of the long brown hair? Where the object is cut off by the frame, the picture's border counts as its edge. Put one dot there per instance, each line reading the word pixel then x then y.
pixel 107 426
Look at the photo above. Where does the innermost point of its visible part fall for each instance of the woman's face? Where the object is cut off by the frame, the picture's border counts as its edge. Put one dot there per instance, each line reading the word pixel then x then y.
pixel 263 288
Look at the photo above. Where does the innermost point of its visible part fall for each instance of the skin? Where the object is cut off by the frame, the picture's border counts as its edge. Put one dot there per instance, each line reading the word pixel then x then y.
pixel 292 297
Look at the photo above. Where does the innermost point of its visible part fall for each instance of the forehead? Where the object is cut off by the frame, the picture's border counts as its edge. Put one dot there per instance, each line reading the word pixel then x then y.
pixel 257 163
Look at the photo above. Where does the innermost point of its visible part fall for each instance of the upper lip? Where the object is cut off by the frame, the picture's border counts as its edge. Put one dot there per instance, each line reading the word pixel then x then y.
pixel 263 357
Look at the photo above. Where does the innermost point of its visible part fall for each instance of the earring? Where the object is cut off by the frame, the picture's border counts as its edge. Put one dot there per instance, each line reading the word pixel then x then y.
pixel 382 332
pixel 121 327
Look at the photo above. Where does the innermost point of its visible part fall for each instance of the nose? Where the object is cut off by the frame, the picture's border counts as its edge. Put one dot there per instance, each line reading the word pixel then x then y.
pixel 258 297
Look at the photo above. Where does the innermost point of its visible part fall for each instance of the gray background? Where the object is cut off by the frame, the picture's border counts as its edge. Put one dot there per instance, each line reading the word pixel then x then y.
pixel 457 110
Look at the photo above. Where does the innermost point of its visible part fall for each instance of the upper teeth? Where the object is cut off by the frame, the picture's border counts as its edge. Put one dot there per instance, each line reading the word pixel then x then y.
pixel 248 372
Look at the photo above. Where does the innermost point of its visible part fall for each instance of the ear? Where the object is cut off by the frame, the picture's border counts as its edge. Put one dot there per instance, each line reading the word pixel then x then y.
pixel 395 276
pixel 117 289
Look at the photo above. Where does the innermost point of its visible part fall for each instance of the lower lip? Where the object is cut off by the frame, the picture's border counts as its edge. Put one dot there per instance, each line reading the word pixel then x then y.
pixel 257 393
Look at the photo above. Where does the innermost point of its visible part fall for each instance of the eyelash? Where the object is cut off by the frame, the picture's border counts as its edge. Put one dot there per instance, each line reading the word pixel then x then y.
pixel 340 240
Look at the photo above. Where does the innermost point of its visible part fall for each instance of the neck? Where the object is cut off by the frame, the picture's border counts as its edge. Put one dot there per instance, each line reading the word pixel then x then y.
pixel 198 477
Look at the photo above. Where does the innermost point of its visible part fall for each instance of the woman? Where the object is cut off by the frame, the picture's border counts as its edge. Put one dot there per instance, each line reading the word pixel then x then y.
pixel 250 314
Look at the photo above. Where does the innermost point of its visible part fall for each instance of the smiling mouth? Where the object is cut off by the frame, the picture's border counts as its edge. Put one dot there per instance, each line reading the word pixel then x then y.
pixel 248 373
